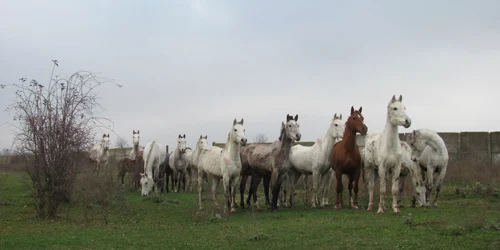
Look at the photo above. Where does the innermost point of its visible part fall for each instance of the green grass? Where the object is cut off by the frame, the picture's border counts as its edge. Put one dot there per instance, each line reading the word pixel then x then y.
pixel 172 221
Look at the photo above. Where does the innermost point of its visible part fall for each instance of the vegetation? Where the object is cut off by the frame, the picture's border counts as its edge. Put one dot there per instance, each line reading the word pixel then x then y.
pixel 121 218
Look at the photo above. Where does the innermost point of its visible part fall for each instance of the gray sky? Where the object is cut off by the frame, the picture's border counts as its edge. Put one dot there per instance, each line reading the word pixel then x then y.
pixel 191 67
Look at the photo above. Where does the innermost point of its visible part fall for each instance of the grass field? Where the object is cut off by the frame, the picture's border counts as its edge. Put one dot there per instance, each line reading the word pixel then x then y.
pixel 470 220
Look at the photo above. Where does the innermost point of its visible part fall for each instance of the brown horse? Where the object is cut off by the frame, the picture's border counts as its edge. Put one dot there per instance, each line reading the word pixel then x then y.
pixel 346 159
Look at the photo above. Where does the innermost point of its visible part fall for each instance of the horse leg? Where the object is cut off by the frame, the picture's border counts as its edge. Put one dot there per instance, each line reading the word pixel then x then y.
pixel 338 200
pixel 243 184
pixel 370 176
pixel 201 175
pixel 266 189
pixel 357 175
pixel 325 186
pixel 215 184
pixel 349 186
pixel 439 180
pixel 189 180
pixel 233 193
pixel 429 185
pixel 314 200
pixel 401 188
pixel 276 186
pixel 395 188
pixel 293 177
pixel 253 190
pixel 227 192
pixel 306 189
pixel 382 177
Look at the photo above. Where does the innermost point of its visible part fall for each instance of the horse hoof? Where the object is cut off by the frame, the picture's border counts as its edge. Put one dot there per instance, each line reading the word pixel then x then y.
pixel 201 208
pixel 337 207
pixel 396 213
pixel 380 212
pixel 355 207
pixel 233 211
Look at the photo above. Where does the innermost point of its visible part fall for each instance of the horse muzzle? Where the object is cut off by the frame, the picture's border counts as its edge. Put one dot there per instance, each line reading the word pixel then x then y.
pixel 297 137
pixel 407 123
pixel 243 142
pixel 364 130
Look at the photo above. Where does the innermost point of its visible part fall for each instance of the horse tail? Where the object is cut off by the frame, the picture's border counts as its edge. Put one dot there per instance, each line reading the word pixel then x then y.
pixel 363 170
pixel 146 162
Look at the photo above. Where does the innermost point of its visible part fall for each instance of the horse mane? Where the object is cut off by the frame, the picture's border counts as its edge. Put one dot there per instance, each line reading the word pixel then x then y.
pixel 282 133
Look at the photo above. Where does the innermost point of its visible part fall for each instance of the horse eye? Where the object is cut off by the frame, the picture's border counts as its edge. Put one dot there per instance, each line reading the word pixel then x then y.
pixel 289 126
pixel 395 108
pixel 336 125
pixel 235 130
pixel 244 130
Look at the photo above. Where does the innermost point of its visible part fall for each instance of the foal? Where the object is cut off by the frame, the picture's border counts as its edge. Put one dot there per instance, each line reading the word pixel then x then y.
pixel 346 159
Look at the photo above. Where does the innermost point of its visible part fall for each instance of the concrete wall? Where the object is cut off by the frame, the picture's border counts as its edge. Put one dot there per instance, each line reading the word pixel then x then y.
pixel 462 146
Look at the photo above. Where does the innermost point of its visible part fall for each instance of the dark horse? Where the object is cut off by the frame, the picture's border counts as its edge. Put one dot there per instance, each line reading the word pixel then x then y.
pixel 271 161
pixel 346 159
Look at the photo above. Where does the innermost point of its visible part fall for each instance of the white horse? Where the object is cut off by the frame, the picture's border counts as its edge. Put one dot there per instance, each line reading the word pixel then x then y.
pixel 408 166
pixel 154 155
pixel 223 164
pixel 314 160
pixel 383 153
pixel 192 158
pixel 136 148
pixel 430 152
pixel 99 154
pixel 178 163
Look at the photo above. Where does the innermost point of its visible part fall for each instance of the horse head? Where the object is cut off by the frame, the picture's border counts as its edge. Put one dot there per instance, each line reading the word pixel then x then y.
pixel 135 138
pixel 417 145
pixel 292 128
pixel 337 127
pixel 396 113
pixel 356 121
pixel 238 132
pixel 147 184
pixel 202 142
pixel 181 143
pixel 105 141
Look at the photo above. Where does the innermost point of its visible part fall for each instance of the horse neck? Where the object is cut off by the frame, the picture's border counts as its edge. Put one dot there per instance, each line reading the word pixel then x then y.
pixel 177 154
pixel 103 151
pixel 134 152
pixel 328 142
pixel 233 149
pixel 435 142
pixel 391 135
pixel 349 139
pixel 285 144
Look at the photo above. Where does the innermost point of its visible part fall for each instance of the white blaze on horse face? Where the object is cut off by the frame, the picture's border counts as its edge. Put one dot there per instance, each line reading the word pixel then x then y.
pixel 293 130
pixel 135 138
pixel 146 184
pixel 181 144
pixel 202 143
pixel 396 112
pixel 239 134
pixel 105 142
pixel 337 127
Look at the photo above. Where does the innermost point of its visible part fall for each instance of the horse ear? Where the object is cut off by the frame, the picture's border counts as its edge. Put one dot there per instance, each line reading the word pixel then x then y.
pixel 400 98
pixel 287 117
pixel 335 116
pixel 103 135
pixel 296 117
pixel 241 121
pixel 108 135
pixel 340 116
pixel 360 109
pixel 393 98
pixel 137 131
pixel 206 136
pixel 133 132
pixel 352 110
pixel 201 137
pixel 234 121
pixel 184 136
pixel 179 135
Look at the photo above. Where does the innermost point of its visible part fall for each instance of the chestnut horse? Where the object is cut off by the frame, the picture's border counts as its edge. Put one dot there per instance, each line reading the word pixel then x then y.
pixel 346 159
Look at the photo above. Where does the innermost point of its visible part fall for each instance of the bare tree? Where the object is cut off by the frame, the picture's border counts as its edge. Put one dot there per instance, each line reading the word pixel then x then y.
pixel 54 128
pixel 121 143
pixel 260 138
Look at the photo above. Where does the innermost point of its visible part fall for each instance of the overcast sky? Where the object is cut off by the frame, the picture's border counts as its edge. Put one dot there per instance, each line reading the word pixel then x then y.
pixel 191 67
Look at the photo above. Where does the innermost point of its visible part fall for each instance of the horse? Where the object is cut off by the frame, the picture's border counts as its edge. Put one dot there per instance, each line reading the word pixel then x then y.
pixel 192 157
pixel 345 157
pixel 383 153
pixel 178 163
pixel 154 155
pixel 314 161
pixel 133 162
pixel 272 161
pixel 223 164
pixel 408 167
pixel 430 152
pixel 99 154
